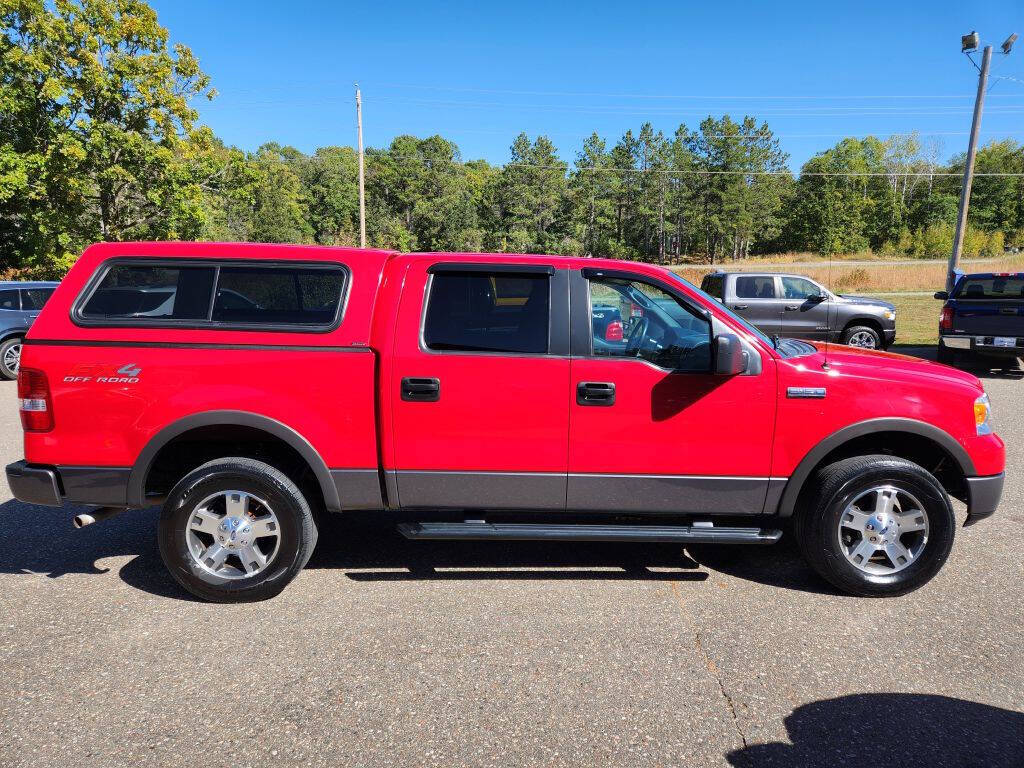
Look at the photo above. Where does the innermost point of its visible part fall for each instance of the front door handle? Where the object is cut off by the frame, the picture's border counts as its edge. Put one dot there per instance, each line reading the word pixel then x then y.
pixel 792 307
pixel 739 306
pixel 421 390
pixel 595 393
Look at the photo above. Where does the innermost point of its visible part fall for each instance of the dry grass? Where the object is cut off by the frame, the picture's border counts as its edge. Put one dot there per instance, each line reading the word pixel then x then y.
pixel 880 278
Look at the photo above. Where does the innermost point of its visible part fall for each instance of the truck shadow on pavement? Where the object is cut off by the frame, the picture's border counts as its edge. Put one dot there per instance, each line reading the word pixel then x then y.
pixel 893 729
pixel 368 548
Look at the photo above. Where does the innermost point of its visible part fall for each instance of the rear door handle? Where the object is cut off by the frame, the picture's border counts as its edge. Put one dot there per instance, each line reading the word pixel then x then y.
pixel 421 390
pixel 595 393
pixel 739 306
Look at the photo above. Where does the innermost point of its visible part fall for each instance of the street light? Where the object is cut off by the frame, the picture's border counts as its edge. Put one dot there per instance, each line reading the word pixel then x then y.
pixel 970 43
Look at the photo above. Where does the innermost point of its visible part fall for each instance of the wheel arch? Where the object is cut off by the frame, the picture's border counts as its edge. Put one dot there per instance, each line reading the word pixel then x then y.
pixel 866 320
pixel 140 471
pixel 11 333
pixel 917 432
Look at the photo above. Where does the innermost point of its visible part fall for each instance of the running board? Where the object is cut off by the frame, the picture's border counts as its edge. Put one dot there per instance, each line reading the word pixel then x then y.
pixel 668 534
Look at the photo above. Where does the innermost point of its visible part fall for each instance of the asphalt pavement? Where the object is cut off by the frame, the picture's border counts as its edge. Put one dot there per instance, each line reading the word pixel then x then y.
pixel 387 652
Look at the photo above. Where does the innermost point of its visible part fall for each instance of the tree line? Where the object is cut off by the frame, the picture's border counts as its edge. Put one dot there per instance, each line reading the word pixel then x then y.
pixel 100 139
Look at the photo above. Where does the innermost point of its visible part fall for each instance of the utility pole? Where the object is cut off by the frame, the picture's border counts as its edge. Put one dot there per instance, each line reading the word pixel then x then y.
pixel 362 186
pixel 965 189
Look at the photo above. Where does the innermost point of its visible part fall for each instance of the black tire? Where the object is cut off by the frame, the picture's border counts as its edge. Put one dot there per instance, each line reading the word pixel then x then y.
pixel 6 372
pixel 853 330
pixel 835 486
pixel 298 533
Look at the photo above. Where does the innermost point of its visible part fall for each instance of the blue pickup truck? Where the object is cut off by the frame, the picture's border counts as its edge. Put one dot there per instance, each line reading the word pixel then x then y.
pixel 982 320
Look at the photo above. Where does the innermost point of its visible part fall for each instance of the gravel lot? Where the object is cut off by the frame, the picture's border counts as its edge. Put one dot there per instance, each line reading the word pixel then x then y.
pixel 387 652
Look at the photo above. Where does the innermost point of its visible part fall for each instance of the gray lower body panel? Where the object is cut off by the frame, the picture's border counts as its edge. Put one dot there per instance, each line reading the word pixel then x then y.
pixel 481 490
pixel 651 494
pixel 104 486
pixel 358 488
pixel 668 494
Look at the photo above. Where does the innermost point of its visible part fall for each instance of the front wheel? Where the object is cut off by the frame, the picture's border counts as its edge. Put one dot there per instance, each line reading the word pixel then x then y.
pixel 876 526
pixel 863 336
pixel 236 530
pixel 10 358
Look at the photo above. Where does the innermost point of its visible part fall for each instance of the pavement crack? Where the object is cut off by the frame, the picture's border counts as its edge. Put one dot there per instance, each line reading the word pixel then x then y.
pixel 698 644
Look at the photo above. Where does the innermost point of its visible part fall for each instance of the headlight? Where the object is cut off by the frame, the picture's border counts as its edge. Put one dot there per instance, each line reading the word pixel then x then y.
pixel 983 415
pixel 889 314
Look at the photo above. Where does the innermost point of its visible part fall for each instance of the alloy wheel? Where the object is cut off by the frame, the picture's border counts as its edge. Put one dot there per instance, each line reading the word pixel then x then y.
pixel 883 530
pixel 12 357
pixel 233 535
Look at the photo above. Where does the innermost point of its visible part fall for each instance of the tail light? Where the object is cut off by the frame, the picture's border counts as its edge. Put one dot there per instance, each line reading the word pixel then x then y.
pixel 614 331
pixel 946 319
pixel 34 394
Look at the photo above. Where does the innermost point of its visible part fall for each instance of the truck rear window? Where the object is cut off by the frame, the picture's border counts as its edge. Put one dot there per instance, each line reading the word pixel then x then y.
pixel 991 288
pixel 220 295
pixel 487 313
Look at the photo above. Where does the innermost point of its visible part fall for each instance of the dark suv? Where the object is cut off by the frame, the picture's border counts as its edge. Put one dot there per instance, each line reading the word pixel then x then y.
pixel 19 304
pixel 794 305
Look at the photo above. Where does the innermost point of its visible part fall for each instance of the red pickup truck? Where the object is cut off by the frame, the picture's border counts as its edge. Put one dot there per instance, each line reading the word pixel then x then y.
pixel 247 388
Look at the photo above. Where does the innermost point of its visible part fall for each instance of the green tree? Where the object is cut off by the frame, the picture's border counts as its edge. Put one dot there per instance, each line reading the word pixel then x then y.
pixel 97 137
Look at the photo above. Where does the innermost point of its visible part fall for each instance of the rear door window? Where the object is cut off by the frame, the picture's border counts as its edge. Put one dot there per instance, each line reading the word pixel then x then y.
pixel 480 312
pixel 9 300
pixel 144 292
pixel 35 298
pixel 755 287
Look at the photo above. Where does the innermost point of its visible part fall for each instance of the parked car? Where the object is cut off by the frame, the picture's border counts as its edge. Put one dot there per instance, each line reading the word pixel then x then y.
pixel 983 319
pixel 794 305
pixel 466 396
pixel 20 303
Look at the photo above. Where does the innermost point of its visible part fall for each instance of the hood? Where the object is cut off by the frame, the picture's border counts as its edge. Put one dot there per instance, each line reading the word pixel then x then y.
pixel 871 363
pixel 866 300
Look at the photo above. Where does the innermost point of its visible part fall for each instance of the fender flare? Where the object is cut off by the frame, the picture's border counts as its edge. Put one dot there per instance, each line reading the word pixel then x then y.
pixel 12 332
pixel 140 470
pixel 800 475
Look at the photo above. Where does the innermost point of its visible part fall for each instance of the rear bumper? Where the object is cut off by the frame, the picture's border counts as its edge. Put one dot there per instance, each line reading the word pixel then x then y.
pixel 981 345
pixel 983 494
pixel 53 486
pixel 34 485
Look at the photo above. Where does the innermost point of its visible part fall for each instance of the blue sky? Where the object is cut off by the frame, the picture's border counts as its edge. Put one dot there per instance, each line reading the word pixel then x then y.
pixel 478 73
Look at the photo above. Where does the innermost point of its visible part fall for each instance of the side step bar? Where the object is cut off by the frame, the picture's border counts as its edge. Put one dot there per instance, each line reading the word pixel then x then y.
pixel 669 534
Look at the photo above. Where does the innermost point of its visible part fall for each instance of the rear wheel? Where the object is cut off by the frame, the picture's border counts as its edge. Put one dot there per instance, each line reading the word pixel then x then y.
pixel 876 526
pixel 863 336
pixel 236 530
pixel 10 358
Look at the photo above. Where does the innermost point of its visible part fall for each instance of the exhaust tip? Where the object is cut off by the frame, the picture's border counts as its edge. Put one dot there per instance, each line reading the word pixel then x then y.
pixel 94 516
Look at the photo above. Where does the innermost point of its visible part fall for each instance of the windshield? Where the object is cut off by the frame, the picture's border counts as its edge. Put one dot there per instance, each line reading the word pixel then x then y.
pixel 746 326
pixel 1002 287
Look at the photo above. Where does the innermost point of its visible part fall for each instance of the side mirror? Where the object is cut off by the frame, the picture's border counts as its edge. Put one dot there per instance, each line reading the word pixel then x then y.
pixel 942 295
pixel 819 297
pixel 729 359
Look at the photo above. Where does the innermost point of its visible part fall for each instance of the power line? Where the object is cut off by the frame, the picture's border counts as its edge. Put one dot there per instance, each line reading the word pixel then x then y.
pixel 717 172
